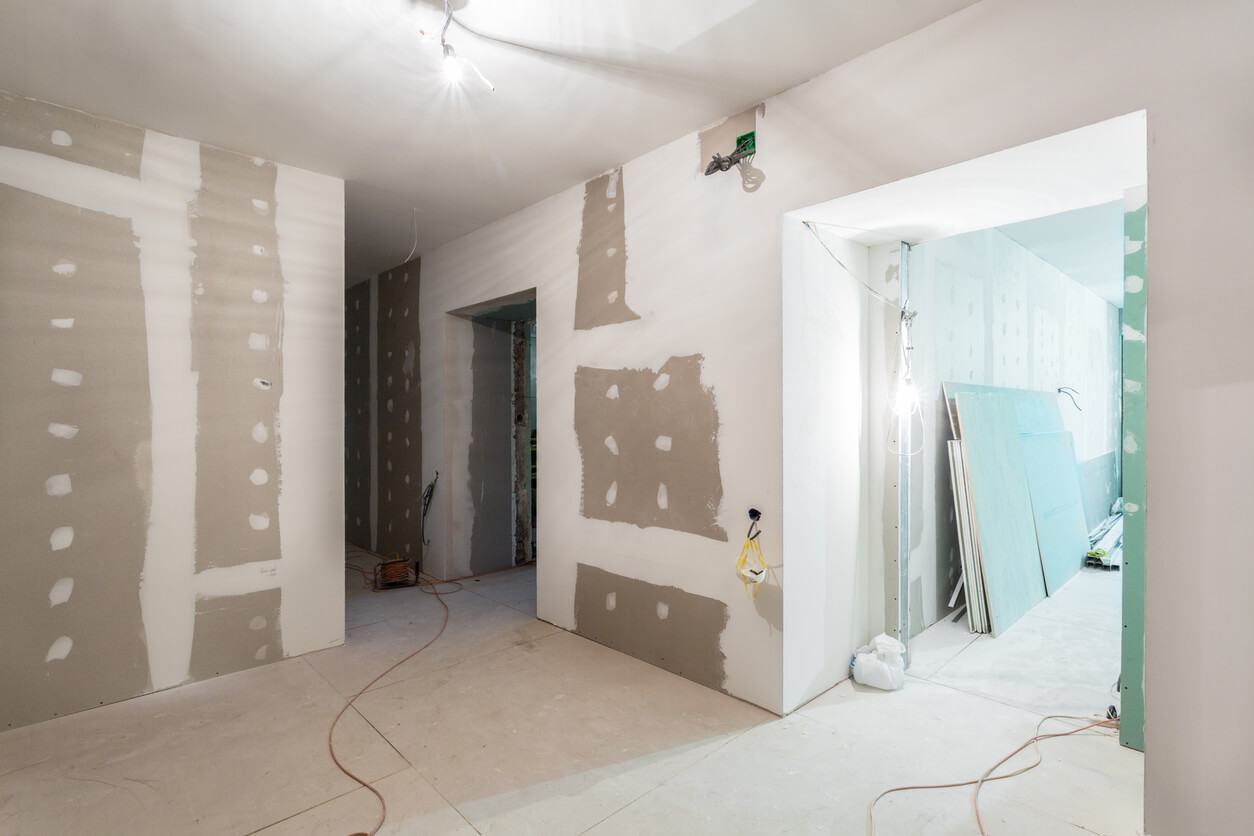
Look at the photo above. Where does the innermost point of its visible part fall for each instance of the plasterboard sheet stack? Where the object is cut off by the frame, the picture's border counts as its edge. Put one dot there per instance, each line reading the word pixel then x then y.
pixel 1057 508
pixel 968 542
pixel 1009 556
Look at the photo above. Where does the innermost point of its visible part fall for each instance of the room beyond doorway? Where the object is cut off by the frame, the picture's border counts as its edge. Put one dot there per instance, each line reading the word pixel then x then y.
pixel 828 313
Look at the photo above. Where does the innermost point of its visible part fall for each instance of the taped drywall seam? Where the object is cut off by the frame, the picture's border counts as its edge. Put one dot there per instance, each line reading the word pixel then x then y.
pixel 308 220
pixel 170 178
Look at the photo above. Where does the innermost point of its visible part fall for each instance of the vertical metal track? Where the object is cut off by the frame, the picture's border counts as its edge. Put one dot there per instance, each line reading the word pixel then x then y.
pixel 904 423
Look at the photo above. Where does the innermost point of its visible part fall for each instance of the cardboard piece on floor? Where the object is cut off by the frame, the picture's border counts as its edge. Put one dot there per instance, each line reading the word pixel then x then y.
pixel 1009 556
pixel 1054 484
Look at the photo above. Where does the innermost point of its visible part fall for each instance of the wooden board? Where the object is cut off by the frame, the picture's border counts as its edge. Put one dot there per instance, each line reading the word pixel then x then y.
pixel 1036 411
pixel 1057 507
pixel 1006 531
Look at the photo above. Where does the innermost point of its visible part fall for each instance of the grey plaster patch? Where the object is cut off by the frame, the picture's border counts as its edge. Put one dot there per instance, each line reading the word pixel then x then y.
pixel 236 632
pixel 72 506
pixel 357 414
pixel 398 404
pixel 634 480
pixel 71 135
pixel 665 626
pixel 237 354
pixel 601 294
pixel 491 446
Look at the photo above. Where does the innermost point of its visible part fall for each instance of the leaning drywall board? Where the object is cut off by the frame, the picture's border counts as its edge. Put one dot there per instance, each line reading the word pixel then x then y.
pixel 1054 483
pixel 1003 507
pixel 1035 411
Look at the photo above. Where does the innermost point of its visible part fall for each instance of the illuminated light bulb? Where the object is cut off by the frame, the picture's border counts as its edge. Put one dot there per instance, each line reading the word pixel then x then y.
pixel 452 66
pixel 907 396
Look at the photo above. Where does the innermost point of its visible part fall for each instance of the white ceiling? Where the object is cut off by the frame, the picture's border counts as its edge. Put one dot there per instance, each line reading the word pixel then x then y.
pixel 1060 197
pixel 351 89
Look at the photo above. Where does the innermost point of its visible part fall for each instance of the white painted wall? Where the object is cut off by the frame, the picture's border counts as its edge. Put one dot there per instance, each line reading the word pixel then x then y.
pixel 834 407
pixel 705 262
pixel 309 217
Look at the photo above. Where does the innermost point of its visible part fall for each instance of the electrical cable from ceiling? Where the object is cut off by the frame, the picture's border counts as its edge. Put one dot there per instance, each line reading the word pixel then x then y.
pixel 1112 719
pixel 906 404
pixel 452 65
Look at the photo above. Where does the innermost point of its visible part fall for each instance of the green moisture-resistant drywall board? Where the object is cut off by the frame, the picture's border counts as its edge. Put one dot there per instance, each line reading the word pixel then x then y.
pixel 1003 507
pixel 1035 411
pixel 1135 219
pixel 1057 508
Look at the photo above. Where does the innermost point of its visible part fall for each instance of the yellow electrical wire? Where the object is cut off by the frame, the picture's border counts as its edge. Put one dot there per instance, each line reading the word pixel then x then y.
pixel 751 551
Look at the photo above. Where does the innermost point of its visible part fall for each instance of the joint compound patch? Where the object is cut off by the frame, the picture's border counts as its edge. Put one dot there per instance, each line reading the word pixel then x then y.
pixel 665 626
pixel 600 298
pixel 231 630
pixel 237 353
pixel 663 468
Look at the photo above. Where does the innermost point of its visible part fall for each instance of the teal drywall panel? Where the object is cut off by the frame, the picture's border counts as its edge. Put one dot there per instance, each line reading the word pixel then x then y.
pixel 1035 411
pixel 1003 506
pixel 1099 486
pixel 1135 386
pixel 1057 505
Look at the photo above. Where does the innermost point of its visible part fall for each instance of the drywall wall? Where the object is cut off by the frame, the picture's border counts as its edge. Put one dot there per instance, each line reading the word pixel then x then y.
pixel 991 312
pixel 705 263
pixel 397 407
pixel 357 415
pixel 835 370
pixel 172 410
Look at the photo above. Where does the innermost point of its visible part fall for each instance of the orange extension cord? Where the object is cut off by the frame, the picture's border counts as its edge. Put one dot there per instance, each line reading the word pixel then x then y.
pixel 431 588
pixel 985 778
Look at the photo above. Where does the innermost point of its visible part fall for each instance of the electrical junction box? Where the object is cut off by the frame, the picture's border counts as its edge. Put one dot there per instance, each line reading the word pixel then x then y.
pixel 747 143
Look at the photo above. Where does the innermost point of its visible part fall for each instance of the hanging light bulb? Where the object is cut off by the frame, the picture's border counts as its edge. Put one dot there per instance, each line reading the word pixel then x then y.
pixel 907 395
pixel 452 65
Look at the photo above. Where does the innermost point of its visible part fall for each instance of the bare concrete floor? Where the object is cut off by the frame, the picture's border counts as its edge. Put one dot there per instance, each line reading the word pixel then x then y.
pixel 509 725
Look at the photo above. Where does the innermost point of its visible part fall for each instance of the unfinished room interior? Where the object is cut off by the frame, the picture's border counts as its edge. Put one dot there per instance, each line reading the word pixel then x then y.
pixel 484 417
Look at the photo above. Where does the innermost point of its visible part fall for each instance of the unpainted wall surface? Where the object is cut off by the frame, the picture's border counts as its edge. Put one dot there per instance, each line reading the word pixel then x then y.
pixel 602 295
pixel 74 418
pixel 662 625
pixel 144 282
pixel 491 445
pixel 399 409
pixel 357 415
pixel 649 443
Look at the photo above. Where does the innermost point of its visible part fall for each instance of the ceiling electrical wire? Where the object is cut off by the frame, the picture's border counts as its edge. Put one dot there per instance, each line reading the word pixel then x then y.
pixel 988 776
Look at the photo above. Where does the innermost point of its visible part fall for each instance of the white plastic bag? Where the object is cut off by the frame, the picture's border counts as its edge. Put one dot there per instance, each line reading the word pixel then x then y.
pixel 881 664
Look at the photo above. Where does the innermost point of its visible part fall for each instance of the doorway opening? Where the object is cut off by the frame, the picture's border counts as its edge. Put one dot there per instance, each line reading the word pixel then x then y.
pixel 503 440
pixel 1015 266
